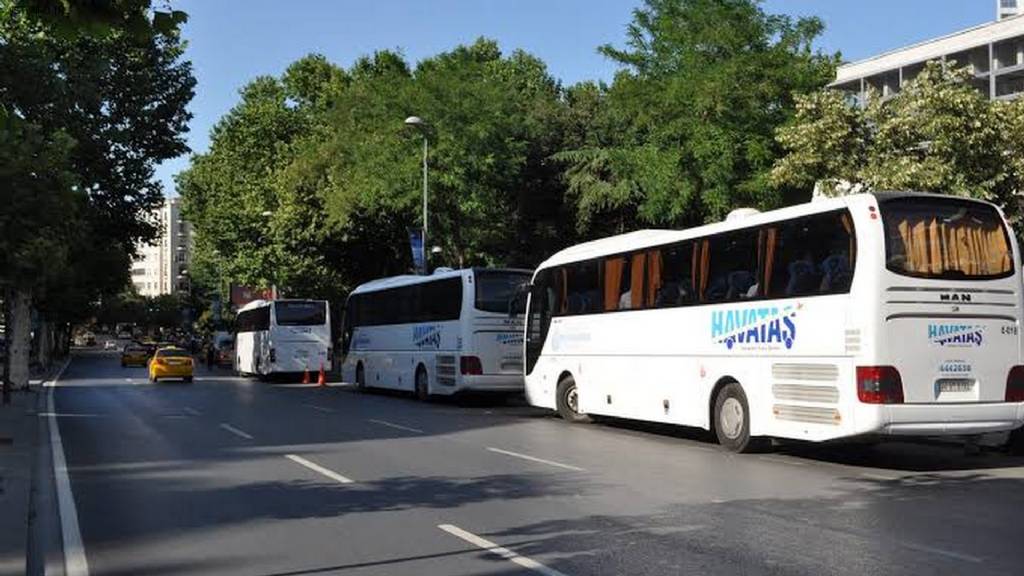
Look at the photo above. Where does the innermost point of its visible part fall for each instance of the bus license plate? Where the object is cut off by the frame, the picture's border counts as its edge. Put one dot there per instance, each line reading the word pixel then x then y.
pixel 955 385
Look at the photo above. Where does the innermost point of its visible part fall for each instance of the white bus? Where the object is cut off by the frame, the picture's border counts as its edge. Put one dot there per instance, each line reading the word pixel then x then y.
pixel 436 335
pixel 871 314
pixel 283 336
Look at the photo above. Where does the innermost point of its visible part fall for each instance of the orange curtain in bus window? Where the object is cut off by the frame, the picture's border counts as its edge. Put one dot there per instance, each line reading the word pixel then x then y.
pixel 653 276
pixel 935 247
pixel 636 282
pixel 612 281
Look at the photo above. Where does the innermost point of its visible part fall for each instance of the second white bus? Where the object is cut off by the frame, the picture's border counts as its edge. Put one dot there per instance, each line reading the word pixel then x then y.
pixel 283 336
pixel 871 314
pixel 436 335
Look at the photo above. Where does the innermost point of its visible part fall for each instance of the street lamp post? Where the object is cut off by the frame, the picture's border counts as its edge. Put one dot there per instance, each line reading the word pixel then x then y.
pixel 418 123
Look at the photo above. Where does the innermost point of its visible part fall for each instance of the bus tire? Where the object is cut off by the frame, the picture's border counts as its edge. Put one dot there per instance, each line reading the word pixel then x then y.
pixel 567 401
pixel 732 421
pixel 360 378
pixel 422 384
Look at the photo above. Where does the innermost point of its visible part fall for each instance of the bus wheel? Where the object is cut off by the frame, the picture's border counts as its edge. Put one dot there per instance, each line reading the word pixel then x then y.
pixel 360 378
pixel 422 385
pixel 732 420
pixel 567 401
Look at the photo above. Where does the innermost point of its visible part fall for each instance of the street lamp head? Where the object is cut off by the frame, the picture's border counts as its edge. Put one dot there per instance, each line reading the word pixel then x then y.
pixel 415 121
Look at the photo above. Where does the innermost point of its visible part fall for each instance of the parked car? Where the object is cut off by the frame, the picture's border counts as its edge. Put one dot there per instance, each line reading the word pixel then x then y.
pixel 171 362
pixel 135 355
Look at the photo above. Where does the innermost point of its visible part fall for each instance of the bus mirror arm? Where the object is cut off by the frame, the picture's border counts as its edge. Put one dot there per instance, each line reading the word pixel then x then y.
pixel 517 303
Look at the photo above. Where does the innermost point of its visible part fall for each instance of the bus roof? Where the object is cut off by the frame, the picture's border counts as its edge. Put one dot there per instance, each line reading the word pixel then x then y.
pixel 644 238
pixel 262 303
pixel 407 279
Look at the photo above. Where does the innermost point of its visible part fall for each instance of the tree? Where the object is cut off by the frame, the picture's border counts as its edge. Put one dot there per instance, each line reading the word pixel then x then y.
pixel 686 131
pixel 938 134
pixel 96 114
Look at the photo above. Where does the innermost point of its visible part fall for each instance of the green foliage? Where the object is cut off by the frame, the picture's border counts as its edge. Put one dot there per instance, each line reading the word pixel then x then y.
pixel 324 151
pixel 938 134
pixel 74 18
pixel 686 131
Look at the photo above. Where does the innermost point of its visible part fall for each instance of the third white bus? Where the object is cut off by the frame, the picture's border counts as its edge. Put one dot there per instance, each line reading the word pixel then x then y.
pixel 441 334
pixel 283 336
pixel 871 314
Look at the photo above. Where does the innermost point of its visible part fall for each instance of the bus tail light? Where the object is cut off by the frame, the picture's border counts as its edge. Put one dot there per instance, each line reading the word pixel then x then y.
pixel 879 385
pixel 470 366
pixel 1015 384
pixel 273 355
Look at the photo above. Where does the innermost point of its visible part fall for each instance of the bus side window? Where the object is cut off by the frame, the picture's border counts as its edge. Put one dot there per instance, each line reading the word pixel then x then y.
pixel 733 266
pixel 670 275
pixel 809 256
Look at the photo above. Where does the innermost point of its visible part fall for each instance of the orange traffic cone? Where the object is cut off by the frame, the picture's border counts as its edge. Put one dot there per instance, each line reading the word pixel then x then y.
pixel 305 376
pixel 321 379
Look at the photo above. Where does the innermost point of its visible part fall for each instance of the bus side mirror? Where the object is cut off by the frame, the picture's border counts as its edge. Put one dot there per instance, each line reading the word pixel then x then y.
pixel 517 303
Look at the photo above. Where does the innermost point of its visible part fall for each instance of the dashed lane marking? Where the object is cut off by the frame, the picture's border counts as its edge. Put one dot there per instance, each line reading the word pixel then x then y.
pixel 501 551
pixel 396 426
pixel 319 469
pixel 535 459
pixel 191 411
pixel 319 408
pixel 236 431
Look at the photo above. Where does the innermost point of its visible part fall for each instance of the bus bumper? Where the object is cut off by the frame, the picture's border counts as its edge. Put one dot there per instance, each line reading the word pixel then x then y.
pixel 949 419
pixel 493 383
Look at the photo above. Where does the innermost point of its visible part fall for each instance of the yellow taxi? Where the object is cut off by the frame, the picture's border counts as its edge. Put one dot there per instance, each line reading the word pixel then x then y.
pixel 135 355
pixel 171 363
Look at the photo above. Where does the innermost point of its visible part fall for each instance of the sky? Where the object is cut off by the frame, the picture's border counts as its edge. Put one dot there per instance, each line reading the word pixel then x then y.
pixel 232 41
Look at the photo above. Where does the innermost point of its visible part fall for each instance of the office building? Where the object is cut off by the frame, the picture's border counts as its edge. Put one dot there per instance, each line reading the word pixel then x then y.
pixel 994 52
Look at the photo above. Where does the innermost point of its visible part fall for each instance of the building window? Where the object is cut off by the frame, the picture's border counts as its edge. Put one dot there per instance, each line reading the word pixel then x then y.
pixel 1008 4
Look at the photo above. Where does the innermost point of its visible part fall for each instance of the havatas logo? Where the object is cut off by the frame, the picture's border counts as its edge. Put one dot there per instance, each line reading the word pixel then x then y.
pixel 956 335
pixel 509 338
pixel 427 337
pixel 755 327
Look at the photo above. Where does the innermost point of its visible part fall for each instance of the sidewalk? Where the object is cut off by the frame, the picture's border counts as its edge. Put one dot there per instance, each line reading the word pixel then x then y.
pixel 20 439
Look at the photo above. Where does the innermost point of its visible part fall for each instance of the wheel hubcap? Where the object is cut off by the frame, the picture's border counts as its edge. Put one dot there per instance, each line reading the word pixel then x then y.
pixel 731 418
pixel 572 399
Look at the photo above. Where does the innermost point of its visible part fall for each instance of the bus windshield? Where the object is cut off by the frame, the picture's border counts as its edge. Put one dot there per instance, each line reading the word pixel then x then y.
pixel 948 239
pixel 495 289
pixel 301 313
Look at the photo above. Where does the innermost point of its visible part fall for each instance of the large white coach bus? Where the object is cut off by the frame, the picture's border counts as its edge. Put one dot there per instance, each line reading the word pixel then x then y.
pixel 438 334
pixel 871 314
pixel 283 336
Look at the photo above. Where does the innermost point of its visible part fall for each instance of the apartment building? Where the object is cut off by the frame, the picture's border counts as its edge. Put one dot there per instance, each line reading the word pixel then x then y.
pixel 162 268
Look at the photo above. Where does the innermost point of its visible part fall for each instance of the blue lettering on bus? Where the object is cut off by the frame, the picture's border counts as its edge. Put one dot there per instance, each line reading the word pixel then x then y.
pixel 754 325
pixel 427 336
pixel 958 335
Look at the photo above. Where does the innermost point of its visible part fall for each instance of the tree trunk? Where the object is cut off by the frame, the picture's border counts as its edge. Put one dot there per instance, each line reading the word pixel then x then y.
pixel 18 337
pixel 6 382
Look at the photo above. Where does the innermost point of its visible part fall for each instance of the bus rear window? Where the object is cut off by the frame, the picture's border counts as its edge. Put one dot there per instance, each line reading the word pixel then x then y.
pixel 494 290
pixel 945 239
pixel 301 313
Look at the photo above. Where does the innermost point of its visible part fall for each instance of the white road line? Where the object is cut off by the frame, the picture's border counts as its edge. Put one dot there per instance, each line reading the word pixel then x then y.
pixel 501 551
pixel 319 469
pixel 941 552
pixel 236 431
pixel 535 459
pixel 67 415
pixel 191 411
pixel 396 426
pixel 318 408
pixel 75 563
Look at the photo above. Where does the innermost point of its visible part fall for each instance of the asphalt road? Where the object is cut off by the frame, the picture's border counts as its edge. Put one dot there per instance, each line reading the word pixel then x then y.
pixel 234 476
